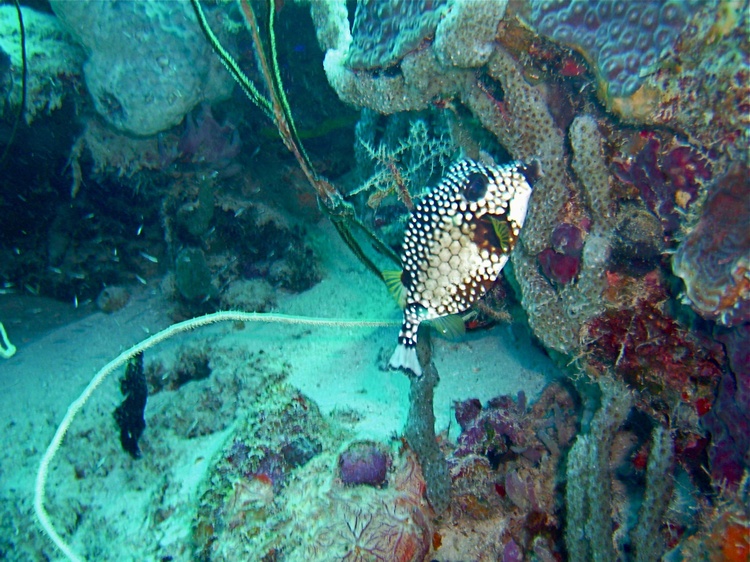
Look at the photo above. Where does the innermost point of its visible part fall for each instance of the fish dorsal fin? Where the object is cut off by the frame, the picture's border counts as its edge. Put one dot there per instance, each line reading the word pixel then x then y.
pixel 451 326
pixel 395 286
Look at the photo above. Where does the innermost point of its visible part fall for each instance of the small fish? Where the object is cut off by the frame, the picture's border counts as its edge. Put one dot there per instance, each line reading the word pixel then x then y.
pixel 149 257
pixel 457 240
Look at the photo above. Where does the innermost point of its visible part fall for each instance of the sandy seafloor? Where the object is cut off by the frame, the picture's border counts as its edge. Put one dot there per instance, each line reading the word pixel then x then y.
pixel 104 502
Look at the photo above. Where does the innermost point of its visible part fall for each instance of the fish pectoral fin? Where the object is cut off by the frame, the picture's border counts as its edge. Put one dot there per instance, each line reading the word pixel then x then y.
pixel 503 233
pixel 395 286
pixel 451 326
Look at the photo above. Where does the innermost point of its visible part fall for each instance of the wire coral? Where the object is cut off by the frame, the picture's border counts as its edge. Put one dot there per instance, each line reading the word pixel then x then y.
pixel 7 349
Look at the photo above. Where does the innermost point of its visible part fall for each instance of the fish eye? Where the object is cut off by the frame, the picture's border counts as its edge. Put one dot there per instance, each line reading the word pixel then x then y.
pixel 476 186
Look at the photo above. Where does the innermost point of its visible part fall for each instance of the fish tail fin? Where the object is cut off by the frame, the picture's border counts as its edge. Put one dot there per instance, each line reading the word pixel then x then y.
pixel 405 357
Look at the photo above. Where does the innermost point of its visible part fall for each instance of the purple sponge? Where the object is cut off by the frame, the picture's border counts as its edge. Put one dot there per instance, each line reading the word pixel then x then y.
pixel 364 462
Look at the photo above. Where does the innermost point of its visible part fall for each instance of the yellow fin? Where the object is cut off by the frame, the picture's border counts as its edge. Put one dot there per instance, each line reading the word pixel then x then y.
pixel 395 286
pixel 502 231
pixel 451 326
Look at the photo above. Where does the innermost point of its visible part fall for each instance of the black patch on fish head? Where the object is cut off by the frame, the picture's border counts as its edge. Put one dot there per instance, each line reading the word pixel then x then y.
pixel 476 186
pixel 531 171
pixel 406 279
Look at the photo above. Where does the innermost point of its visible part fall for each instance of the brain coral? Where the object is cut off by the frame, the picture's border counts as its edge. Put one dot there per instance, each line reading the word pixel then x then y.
pixel 383 32
pixel 621 39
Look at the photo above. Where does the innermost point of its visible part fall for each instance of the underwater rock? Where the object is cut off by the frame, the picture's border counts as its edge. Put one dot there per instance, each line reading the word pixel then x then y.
pixel 112 299
pixel 158 70
pixel 250 295
pixel 192 275
pixel 53 59
pixel 364 462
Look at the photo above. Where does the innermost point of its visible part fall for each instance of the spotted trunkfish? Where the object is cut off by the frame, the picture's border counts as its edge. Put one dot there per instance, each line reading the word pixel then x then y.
pixel 457 240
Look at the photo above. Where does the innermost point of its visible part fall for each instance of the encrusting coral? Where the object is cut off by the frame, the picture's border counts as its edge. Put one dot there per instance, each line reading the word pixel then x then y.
pixel 714 258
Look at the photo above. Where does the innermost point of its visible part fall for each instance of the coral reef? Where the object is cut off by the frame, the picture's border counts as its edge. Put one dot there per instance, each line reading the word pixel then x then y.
pixel 221 238
pixel 700 88
pixel 598 526
pixel 725 533
pixel 592 271
pixel 633 270
pixel 527 123
pixel 652 352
